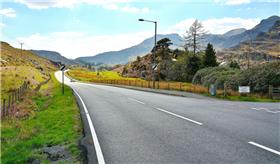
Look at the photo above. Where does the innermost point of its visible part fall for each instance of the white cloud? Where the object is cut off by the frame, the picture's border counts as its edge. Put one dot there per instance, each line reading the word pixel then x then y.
pixel 76 44
pixel 130 9
pixel 8 12
pixel 2 25
pixel 106 4
pixel 232 2
pixel 216 25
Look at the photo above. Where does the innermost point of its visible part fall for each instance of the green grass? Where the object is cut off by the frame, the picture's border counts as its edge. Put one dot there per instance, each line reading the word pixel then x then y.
pixel 85 75
pixel 55 122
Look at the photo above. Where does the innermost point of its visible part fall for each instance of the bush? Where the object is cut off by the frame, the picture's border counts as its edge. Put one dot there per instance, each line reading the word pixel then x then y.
pixel 258 77
pixel 214 75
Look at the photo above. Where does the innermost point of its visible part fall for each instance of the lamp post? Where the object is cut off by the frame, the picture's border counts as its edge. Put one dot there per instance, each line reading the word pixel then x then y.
pixel 154 53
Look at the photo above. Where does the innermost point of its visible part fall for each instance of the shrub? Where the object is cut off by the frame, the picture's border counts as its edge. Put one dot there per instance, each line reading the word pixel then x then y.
pixel 258 77
pixel 214 75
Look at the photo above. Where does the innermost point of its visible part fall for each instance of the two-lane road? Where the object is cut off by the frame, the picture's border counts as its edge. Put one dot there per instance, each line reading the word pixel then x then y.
pixel 142 127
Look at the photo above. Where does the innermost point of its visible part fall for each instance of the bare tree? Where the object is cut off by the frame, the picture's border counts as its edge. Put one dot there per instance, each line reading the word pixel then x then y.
pixel 194 36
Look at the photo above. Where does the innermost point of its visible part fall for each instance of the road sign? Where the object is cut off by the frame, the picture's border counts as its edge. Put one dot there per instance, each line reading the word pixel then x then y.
pixel 213 90
pixel 62 67
pixel 244 89
pixel 154 67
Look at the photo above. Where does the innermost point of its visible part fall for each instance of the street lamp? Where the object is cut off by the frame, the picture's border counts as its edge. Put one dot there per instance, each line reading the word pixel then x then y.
pixel 154 53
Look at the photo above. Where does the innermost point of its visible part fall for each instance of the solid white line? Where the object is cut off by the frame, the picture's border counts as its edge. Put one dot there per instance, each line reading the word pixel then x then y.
pixel 136 100
pixel 264 147
pixel 176 115
pixel 97 147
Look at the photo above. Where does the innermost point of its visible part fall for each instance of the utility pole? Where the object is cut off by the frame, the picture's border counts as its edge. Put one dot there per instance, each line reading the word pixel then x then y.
pixel 21 44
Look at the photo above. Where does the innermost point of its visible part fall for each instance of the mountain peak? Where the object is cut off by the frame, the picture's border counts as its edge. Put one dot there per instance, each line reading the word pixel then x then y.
pixel 234 32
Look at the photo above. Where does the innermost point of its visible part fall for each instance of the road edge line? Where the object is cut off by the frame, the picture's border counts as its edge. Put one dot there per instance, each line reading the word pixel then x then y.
pixel 96 144
pixel 264 147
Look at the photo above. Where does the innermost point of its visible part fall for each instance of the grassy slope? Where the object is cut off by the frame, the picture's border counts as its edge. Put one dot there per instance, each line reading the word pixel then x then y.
pixel 17 67
pixel 56 122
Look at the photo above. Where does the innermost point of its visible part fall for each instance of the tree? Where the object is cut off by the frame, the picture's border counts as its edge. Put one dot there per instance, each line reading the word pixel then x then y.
pixel 194 36
pixel 162 44
pixel 209 59
pixel 234 64
pixel 193 65
pixel 163 57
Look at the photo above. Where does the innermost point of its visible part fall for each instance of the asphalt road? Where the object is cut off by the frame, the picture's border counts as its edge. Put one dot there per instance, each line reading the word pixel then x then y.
pixel 142 127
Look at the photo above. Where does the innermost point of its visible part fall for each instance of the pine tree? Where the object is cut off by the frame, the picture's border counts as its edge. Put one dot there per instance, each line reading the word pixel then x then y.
pixel 209 59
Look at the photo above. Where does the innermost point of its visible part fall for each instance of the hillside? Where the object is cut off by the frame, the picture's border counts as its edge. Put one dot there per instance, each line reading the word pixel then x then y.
pixel 17 67
pixel 264 47
pixel 129 54
pixel 229 39
pixel 234 37
pixel 54 56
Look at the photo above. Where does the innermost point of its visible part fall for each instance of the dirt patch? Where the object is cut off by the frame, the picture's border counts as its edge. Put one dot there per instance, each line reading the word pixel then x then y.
pixel 57 154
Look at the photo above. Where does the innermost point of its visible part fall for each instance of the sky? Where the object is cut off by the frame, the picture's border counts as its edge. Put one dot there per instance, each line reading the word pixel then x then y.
pixel 77 28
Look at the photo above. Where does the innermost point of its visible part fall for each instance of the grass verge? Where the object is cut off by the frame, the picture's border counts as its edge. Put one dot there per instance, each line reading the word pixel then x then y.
pixel 56 121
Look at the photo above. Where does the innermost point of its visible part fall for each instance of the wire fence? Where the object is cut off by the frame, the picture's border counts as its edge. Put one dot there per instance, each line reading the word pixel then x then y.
pixel 225 91
pixel 179 86
pixel 8 104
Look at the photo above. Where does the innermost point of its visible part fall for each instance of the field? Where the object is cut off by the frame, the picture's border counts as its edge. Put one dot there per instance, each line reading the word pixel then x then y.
pixel 54 120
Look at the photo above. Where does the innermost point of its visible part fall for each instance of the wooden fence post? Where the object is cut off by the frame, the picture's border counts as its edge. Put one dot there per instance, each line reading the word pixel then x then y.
pixel 141 84
pixel 180 86
pixel 9 105
pixel 225 90
pixel 4 107
pixel 270 89
pixel 168 86
pixel 18 94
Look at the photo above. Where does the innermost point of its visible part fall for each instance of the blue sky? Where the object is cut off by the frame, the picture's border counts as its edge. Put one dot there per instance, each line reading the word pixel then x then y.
pixel 87 27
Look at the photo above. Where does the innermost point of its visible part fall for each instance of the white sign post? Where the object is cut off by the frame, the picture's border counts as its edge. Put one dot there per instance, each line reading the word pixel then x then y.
pixel 62 69
pixel 244 89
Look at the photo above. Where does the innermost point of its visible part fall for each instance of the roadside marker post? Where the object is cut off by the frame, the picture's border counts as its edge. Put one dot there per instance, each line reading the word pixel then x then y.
pixel 62 69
